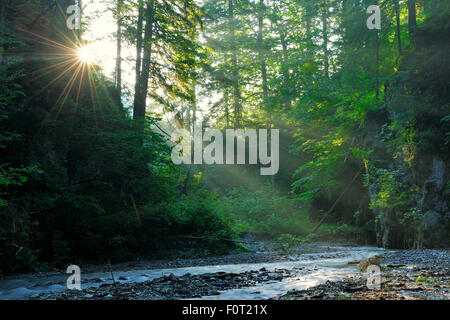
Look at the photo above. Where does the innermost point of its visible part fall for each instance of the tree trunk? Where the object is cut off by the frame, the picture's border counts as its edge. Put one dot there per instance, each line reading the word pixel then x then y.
pixel 261 49
pixel 325 39
pixel 262 59
pixel 141 97
pixel 284 50
pixel 80 6
pixel 227 110
pixel 307 7
pixel 235 71
pixel 377 66
pixel 194 107
pixel 119 49
pixel 137 84
pixel 411 19
pixel 397 18
pixel 2 23
pixel 286 99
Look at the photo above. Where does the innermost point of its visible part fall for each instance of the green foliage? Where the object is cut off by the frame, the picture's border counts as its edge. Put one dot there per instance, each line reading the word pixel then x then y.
pixel 425 279
pixel 391 192
pixel 287 243
pixel 269 213
pixel 359 234
pixel 199 217
pixel 266 212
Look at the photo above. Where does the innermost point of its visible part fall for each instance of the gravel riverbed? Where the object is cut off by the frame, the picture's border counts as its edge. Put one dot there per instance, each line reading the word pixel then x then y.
pixel 405 275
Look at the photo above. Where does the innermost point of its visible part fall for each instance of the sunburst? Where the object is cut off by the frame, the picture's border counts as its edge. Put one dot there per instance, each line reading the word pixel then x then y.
pixel 86 54
pixel 74 61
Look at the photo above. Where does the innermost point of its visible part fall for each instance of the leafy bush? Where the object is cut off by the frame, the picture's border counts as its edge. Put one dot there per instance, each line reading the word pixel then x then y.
pixel 287 243
pixel 266 212
pixel 199 217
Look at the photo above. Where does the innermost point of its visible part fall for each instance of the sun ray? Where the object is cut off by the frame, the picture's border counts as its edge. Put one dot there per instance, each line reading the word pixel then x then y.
pixel 67 88
pixel 50 41
pixel 93 92
pixel 50 68
pixel 70 61
pixel 79 86
pixel 56 79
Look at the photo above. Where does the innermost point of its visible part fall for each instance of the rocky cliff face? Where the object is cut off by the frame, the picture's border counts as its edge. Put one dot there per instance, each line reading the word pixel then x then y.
pixel 420 216
pixel 433 203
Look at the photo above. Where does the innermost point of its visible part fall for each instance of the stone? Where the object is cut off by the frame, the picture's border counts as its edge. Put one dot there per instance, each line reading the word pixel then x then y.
pixel 364 264
pixel 173 277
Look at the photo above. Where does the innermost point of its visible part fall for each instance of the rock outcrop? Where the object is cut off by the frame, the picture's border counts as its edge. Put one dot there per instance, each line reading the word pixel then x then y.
pixel 424 182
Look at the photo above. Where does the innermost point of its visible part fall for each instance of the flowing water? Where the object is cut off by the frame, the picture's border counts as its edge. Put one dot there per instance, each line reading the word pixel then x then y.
pixel 319 267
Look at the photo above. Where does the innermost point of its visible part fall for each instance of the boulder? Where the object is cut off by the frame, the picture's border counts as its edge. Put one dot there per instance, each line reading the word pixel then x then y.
pixel 364 264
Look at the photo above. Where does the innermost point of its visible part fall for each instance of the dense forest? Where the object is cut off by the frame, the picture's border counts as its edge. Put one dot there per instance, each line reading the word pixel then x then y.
pixel 364 116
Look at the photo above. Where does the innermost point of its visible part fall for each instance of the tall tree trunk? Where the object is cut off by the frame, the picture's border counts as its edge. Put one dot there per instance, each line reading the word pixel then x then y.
pixel 377 66
pixel 397 18
pixel 262 59
pixel 235 71
pixel 307 8
pixel 411 19
pixel 325 39
pixel 286 99
pixel 227 110
pixel 194 120
pixel 261 49
pixel 194 107
pixel 284 49
pixel 2 12
pixel 141 97
pixel 2 23
pixel 137 84
pixel 118 75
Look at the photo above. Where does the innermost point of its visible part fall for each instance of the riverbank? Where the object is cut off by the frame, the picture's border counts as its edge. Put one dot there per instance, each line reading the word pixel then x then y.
pixel 259 251
pixel 174 287
pixel 406 275
pixel 312 271
pixel 221 273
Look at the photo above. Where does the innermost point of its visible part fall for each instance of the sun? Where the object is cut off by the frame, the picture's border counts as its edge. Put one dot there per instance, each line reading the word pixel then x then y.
pixel 86 54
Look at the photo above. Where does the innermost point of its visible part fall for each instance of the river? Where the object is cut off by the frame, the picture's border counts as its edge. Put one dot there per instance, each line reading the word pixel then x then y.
pixel 312 269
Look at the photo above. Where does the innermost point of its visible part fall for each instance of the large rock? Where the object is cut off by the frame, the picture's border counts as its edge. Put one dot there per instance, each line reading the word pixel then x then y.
pixel 364 264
